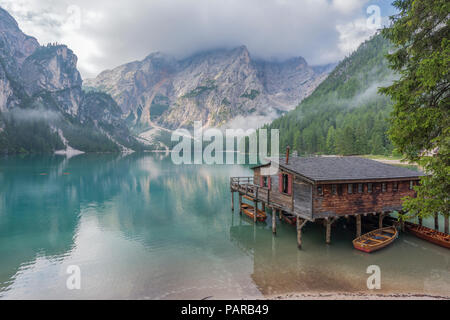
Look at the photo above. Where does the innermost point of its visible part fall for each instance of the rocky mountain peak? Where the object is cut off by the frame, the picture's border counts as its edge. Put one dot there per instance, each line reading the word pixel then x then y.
pixel 53 68
pixel 42 105
pixel 214 86
pixel 243 53
pixel 14 44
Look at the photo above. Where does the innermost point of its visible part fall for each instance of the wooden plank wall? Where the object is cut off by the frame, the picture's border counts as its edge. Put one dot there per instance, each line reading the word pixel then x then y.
pixel 357 203
pixel 302 198
pixel 281 199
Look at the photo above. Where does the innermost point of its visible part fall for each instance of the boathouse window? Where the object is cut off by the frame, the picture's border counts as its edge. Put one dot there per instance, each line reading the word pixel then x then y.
pixel 369 187
pixel 383 187
pixel 340 189
pixel 265 181
pixel 320 190
pixel 350 188
pixel 360 188
pixel 395 186
pixel 285 183
pixel 333 189
pixel 411 185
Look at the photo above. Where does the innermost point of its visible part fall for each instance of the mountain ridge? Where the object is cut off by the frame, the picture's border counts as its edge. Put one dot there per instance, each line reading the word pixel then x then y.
pixel 42 105
pixel 213 86
pixel 345 114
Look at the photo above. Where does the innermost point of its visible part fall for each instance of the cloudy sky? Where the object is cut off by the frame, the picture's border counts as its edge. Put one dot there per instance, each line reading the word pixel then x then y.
pixel 106 33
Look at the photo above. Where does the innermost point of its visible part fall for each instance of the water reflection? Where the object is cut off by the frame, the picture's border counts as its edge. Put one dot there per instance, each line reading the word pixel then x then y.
pixel 32 192
pixel 141 227
pixel 410 265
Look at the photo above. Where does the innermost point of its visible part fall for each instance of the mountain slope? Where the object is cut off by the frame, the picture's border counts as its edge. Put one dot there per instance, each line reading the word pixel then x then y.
pixel 42 105
pixel 345 114
pixel 214 86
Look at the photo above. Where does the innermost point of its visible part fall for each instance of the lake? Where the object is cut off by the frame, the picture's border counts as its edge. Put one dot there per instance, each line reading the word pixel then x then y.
pixel 140 227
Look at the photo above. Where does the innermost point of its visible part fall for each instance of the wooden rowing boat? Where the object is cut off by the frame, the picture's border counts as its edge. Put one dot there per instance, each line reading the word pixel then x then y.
pixel 440 238
pixel 249 211
pixel 376 240
pixel 289 218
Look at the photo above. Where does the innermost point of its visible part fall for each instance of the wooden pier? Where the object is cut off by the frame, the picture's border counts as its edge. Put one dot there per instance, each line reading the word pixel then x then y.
pixel 325 189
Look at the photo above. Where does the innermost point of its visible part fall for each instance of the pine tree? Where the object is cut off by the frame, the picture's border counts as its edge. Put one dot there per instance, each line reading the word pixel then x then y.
pixel 420 122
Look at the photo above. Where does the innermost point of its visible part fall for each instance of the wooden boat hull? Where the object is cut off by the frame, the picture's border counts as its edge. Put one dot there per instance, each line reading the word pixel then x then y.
pixel 428 234
pixel 375 240
pixel 249 211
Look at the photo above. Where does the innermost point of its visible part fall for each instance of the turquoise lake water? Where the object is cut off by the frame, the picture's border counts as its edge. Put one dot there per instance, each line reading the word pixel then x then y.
pixel 140 227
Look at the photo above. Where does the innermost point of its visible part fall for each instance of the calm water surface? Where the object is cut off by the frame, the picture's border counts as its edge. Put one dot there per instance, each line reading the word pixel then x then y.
pixel 140 227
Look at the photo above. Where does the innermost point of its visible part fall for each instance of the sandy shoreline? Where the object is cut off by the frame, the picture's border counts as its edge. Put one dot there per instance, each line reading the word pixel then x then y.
pixel 356 296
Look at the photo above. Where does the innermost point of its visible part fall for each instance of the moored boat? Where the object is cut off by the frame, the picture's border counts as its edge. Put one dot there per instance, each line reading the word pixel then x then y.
pixel 440 238
pixel 249 211
pixel 376 239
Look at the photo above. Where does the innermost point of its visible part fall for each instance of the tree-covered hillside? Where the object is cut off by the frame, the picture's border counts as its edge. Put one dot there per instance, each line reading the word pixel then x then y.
pixel 345 114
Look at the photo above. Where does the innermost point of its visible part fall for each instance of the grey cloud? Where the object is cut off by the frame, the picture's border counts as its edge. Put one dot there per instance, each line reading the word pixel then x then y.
pixel 116 32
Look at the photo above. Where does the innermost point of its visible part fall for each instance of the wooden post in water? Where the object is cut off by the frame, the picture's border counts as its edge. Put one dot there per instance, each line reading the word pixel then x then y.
pixel 402 221
pixel 420 221
pixel 380 220
pixel 274 222
pixel 240 203
pixel 436 221
pixel 256 206
pixel 328 226
pixel 358 225
pixel 300 224
pixel 446 224
pixel 232 200
pixel 299 233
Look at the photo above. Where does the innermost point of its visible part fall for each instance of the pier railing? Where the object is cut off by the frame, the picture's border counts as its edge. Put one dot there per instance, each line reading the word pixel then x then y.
pixel 247 187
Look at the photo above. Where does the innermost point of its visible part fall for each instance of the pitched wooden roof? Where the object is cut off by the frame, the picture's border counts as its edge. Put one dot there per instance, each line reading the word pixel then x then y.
pixel 346 168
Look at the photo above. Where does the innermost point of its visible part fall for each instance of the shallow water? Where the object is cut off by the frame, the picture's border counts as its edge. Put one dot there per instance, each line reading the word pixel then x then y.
pixel 140 227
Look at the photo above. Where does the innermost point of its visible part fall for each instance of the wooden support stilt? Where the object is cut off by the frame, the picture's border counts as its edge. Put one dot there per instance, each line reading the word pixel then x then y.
pixel 232 201
pixel 255 213
pixel 273 248
pixel 328 223
pixel 380 220
pixel 402 221
pixel 436 221
pixel 420 221
pixel 328 226
pixel 240 203
pixel 300 224
pixel 358 225
pixel 274 222
pixel 446 218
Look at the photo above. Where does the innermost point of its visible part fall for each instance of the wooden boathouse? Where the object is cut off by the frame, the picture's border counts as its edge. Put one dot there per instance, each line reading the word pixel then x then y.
pixel 325 189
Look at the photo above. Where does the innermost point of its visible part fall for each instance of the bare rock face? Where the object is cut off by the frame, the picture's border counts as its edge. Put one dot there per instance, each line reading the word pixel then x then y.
pixel 214 86
pixel 26 69
pixel 15 47
pixel 53 69
pixel 13 42
pixel 6 91
pixel 42 105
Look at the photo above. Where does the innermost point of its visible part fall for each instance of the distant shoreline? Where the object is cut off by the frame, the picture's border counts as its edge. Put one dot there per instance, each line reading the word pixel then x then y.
pixel 355 296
